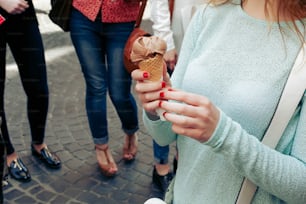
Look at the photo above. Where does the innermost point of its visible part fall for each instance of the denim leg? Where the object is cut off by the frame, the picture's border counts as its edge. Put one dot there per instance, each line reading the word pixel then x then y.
pixel 119 80
pixel 89 46
pixel 160 153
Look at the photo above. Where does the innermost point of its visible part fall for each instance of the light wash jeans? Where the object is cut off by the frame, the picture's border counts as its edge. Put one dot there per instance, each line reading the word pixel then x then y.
pixel 99 47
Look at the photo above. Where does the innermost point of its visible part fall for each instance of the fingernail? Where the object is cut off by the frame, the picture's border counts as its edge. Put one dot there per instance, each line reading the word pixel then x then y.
pixel 164 114
pixel 164 84
pixel 160 103
pixel 162 94
pixel 170 89
pixel 145 75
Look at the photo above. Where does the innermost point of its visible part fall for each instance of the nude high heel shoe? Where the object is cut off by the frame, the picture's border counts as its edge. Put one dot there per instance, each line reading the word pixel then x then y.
pixel 130 147
pixel 106 162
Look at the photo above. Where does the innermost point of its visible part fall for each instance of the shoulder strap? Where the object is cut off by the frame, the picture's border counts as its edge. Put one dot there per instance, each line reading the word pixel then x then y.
pixel 171 7
pixel 291 96
pixel 140 14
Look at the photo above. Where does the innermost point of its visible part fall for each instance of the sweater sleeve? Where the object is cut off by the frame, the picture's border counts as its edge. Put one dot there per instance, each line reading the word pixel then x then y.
pixel 282 175
pixel 161 130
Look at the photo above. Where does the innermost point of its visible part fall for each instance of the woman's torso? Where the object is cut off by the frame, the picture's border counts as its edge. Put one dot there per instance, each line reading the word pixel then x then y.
pixel 110 11
pixel 242 66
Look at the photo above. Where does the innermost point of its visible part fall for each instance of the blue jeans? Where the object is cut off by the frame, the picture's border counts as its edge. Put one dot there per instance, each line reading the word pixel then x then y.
pixel 161 153
pixel 99 47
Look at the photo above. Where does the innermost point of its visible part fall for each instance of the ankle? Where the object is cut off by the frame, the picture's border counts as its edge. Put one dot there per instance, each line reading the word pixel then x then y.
pixel 162 169
pixel 130 137
pixel 39 147
pixel 101 146
pixel 10 158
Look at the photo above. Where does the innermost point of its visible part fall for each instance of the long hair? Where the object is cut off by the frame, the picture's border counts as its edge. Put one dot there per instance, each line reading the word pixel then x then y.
pixel 294 10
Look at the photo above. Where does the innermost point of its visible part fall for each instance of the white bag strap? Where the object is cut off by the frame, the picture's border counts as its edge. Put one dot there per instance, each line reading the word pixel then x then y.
pixel 291 96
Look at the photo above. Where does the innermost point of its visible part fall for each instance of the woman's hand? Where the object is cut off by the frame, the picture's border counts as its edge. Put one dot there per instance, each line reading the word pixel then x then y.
pixel 194 116
pixel 171 58
pixel 14 6
pixel 148 91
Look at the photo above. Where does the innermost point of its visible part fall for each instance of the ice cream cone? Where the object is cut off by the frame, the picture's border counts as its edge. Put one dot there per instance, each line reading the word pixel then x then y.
pixel 154 66
pixel 148 53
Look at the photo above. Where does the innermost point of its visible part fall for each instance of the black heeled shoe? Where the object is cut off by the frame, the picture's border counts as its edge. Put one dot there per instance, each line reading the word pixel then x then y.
pixel 19 171
pixel 50 159
pixel 161 181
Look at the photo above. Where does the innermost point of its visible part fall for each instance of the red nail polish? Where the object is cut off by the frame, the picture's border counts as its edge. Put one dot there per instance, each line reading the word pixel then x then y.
pixel 162 94
pixel 145 75
pixel 2 19
pixel 164 114
pixel 160 103
pixel 164 84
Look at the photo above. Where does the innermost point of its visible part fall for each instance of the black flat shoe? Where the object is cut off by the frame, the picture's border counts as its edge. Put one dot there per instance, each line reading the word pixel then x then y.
pixel 161 181
pixel 5 181
pixel 50 159
pixel 19 171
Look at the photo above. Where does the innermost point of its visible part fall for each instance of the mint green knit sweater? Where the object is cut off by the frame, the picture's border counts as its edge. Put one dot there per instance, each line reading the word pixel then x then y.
pixel 241 64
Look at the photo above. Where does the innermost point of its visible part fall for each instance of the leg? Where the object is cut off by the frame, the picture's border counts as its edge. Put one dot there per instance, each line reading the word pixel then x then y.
pixel 28 51
pixel 119 79
pixel 89 45
pixel 15 166
pixel 120 86
pixel 2 160
pixel 161 172
pixel 4 129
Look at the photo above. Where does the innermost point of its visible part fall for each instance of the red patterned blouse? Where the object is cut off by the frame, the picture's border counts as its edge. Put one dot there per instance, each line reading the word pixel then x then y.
pixel 112 11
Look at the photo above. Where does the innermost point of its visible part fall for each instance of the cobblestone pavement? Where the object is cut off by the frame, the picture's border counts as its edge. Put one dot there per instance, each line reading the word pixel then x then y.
pixel 79 180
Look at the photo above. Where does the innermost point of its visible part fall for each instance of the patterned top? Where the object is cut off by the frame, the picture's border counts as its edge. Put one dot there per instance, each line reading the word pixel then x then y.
pixel 111 11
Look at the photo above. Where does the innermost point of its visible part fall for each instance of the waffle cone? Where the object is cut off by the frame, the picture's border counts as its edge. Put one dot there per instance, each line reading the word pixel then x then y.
pixel 154 66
